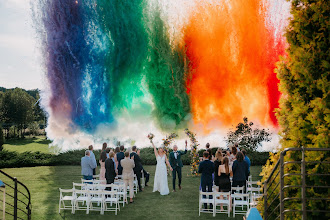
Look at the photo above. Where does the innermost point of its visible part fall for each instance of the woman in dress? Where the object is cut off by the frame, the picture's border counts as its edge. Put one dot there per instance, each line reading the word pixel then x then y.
pixel 117 150
pixel 224 173
pixel 217 163
pixel 103 157
pixel 160 181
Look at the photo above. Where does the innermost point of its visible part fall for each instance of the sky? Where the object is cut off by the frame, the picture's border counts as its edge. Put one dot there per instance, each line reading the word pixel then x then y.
pixel 19 66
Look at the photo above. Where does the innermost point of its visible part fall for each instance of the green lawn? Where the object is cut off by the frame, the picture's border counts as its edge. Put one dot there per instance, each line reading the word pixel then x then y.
pixel 39 143
pixel 44 182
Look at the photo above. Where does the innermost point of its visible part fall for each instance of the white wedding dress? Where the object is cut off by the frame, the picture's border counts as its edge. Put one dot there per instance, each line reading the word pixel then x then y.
pixel 160 182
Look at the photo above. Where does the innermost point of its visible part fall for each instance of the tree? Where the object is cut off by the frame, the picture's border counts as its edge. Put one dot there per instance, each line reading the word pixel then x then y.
pixel 304 115
pixel 2 141
pixel 246 136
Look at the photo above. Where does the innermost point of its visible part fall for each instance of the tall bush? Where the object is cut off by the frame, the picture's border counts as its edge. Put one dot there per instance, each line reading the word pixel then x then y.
pixel 304 114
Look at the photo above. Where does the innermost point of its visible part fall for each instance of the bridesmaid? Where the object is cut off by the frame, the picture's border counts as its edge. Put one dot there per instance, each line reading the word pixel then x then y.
pixel 217 163
pixel 103 157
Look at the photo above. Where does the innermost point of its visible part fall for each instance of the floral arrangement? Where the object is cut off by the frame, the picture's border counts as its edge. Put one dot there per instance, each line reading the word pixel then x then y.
pixel 168 140
pixel 194 154
pixel 151 136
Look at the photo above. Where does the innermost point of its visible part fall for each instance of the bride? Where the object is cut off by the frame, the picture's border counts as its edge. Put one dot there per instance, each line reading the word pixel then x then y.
pixel 160 182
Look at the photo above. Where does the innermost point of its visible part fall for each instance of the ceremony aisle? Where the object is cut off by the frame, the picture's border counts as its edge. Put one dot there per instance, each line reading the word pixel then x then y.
pixel 44 182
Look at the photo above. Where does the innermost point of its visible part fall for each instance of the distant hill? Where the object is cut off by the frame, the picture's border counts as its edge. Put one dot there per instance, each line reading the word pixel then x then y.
pixel 32 92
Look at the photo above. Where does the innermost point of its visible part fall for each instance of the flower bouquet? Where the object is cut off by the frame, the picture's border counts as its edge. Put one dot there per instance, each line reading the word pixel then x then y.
pixel 151 136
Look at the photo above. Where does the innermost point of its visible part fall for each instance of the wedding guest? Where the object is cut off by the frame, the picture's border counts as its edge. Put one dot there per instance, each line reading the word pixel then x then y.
pixel 92 155
pixel 240 170
pixel 209 150
pixel 206 168
pixel 120 155
pixel 110 173
pixel 107 151
pixel 247 159
pixel 87 166
pixel 138 165
pixel 176 164
pixel 127 166
pixel 217 163
pixel 103 157
pixel 224 173
pixel 117 150
pixel 232 156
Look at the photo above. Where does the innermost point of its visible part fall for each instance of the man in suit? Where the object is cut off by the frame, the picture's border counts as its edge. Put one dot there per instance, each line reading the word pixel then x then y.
pixel 206 168
pixel 128 165
pixel 87 166
pixel 110 172
pixel 138 165
pixel 93 158
pixel 120 155
pixel 176 164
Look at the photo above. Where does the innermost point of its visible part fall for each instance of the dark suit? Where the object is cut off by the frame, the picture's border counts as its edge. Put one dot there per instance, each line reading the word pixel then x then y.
pixel 138 167
pixel 206 168
pixel 176 164
pixel 120 156
pixel 110 172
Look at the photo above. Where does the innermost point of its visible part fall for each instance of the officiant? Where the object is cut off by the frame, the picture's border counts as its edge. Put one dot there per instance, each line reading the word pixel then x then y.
pixel 176 164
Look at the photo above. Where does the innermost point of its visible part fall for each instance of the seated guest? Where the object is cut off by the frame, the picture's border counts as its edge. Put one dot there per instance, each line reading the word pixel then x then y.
pixel 206 168
pixel 217 163
pixel 87 166
pixel 240 170
pixel 120 155
pixel 127 166
pixel 110 172
pixel 90 148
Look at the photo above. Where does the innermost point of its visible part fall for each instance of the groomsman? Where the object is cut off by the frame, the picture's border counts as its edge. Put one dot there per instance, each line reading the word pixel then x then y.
pixel 206 168
pixel 176 164
pixel 138 165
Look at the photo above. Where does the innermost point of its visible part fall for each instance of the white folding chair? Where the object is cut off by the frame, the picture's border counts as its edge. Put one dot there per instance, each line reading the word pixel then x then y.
pixel 142 179
pixel 240 200
pixel 121 192
pixel 82 196
pixel 79 186
pixel 135 183
pixel 204 197
pixel 111 198
pixel 95 196
pixel 221 199
pixel 96 176
pixel 66 195
pixel 253 187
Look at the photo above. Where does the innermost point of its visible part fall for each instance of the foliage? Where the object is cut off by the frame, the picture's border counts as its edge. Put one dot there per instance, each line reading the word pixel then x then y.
pixel 34 128
pixel 246 136
pixel 194 154
pixel 2 139
pixel 304 114
pixel 168 140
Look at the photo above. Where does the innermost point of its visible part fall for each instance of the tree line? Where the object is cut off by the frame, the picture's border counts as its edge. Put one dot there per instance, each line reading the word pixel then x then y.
pixel 20 113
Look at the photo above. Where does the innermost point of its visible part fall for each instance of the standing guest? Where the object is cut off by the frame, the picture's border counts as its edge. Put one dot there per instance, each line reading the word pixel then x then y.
pixel 87 166
pixel 103 157
pixel 117 150
pixel 206 168
pixel 92 155
pixel 240 170
pixel 217 163
pixel 247 159
pixel 120 155
pixel 209 150
pixel 127 166
pixel 224 173
pixel 138 165
pixel 232 156
pixel 110 173
pixel 176 164
pixel 107 151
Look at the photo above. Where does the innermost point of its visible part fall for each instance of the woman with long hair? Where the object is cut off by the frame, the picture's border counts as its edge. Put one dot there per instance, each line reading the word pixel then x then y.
pixel 225 172
pixel 103 157
pixel 217 163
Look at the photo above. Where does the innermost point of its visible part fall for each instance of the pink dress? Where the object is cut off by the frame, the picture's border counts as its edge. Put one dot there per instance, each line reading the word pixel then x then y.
pixel 102 170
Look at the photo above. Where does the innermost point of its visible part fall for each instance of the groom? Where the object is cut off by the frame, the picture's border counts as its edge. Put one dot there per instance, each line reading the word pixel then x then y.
pixel 176 164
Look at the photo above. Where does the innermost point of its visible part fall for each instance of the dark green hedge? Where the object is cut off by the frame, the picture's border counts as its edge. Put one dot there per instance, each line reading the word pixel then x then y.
pixel 9 159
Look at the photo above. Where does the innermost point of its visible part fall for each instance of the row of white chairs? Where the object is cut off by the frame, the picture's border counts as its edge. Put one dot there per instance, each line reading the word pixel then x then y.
pixel 231 200
pixel 106 200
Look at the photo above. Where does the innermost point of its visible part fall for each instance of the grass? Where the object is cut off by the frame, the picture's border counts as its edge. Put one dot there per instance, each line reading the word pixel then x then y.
pixel 43 183
pixel 39 143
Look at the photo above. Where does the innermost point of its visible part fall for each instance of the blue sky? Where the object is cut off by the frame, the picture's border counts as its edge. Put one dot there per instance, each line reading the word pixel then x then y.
pixel 20 64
